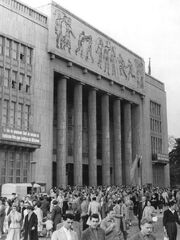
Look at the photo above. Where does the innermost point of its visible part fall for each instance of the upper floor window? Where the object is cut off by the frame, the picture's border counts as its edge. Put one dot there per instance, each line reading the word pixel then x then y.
pixel 26 116
pixel 12 114
pixel 1 75
pixel 14 79
pixel 5 113
pixel 29 55
pixel 21 81
pixel 6 77
pixel 1 45
pixel 22 53
pixel 15 50
pixel 28 82
pixel 8 47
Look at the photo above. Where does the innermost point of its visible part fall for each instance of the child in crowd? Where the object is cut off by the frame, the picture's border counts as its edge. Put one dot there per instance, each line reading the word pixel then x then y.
pixel 49 225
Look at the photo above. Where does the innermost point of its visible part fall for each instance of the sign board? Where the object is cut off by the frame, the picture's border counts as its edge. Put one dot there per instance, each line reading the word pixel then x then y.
pixel 19 135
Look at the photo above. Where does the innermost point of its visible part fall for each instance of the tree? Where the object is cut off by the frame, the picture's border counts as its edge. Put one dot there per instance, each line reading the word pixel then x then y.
pixel 174 161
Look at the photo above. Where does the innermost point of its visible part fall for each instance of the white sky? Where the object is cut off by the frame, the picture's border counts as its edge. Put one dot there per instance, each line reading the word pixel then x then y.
pixel 150 28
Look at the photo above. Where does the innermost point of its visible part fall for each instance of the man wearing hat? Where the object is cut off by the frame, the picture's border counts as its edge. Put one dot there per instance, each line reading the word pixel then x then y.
pixel 56 214
pixel 30 225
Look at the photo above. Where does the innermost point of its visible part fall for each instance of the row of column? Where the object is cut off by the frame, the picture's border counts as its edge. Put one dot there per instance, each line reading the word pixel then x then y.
pixel 92 137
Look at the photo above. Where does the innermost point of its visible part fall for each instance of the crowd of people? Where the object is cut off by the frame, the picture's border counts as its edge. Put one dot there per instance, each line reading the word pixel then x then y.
pixel 87 213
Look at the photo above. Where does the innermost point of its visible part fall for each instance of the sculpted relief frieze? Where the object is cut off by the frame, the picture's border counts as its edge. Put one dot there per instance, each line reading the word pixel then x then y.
pixel 83 44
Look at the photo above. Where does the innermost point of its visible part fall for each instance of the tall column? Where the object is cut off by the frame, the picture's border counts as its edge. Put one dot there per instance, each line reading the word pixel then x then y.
pixel 137 147
pixel 61 130
pixel 78 134
pixel 92 140
pixel 117 142
pixel 105 140
pixel 127 141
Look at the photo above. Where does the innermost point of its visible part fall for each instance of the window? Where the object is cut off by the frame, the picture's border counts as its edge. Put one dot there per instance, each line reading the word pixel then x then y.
pixel 1 75
pixel 6 77
pixel 28 82
pixel 8 47
pixel 29 55
pixel 20 116
pixel 26 116
pixel 22 53
pixel 15 50
pixel 3 166
pixel 1 45
pixel 18 167
pixel 14 79
pixel 21 80
pixel 26 165
pixel 11 167
pixel 5 113
pixel 12 114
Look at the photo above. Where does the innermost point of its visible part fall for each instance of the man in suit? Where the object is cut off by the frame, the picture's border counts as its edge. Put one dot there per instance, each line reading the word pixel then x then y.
pixel 146 230
pixel 30 225
pixel 93 232
pixel 140 209
pixel 65 232
pixel 170 218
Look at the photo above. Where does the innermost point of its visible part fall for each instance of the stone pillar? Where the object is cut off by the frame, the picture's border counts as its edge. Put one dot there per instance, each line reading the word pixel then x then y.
pixel 137 147
pixel 105 140
pixel 92 140
pixel 127 141
pixel 61 130
pixel 117 142
pixel 78 134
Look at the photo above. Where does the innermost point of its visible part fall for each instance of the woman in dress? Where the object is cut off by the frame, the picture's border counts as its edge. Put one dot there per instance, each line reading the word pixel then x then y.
pixel 15 227
pixel 149 211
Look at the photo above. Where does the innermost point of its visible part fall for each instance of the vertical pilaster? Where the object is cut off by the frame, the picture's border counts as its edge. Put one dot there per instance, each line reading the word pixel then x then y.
pixel 117 142
pixel 61 130
pixel 78 134
pixel 92 140
pixel 127 141
pixel 105 140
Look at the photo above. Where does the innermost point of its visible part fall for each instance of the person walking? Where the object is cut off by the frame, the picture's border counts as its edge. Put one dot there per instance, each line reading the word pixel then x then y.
pixel 14 218
pixel 146 230
pixel 66 231
pixel 170 218
pixel 30 225
pixel 94 232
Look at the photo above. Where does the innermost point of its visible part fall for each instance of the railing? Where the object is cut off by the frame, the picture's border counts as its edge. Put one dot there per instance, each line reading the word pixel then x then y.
pixel 21 8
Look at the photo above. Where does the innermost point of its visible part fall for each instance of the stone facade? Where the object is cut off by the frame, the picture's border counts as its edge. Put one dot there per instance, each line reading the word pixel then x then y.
pixel 86 107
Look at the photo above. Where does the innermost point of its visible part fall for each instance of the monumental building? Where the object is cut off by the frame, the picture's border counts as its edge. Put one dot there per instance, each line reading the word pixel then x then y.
pixel 76 107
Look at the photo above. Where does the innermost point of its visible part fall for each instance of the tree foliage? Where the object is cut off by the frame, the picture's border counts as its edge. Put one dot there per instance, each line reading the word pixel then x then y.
pixel 174 161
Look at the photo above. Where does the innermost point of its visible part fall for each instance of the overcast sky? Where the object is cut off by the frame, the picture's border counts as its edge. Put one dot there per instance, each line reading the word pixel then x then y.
pixel 150 28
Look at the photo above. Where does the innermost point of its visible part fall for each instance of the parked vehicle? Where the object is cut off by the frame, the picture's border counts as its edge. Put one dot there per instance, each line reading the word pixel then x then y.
pixel 9 190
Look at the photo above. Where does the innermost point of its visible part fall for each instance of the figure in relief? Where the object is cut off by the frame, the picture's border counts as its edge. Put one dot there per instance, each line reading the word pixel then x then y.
pixel 106 57
pixel 85 46
pixel 130 70
pixel 113 61
pixel 139 73
pixel 122 66
pixel 63 31
pixel 99 51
